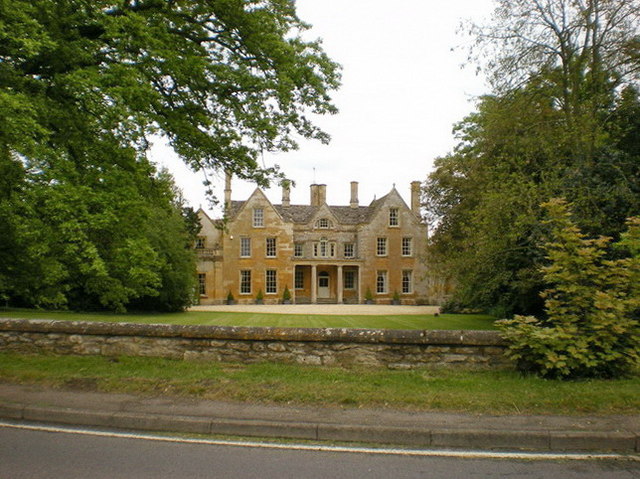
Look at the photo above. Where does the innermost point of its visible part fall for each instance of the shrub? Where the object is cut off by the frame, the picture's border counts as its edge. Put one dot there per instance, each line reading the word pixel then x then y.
pixel 368 295
pixel 591 328
pixel 286 294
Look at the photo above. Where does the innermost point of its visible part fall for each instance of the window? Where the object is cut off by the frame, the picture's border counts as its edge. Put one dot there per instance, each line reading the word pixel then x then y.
pixel 407 283
pixel 271 281
pixel 393 217
pixel 349 279
pixel 407 246
pixel 381 282
pixel 202 284
pixel 258 217
pixel 245 247
pixel 200 242
pixel 381 249
pixel 299 279
pixel 324 223
pixel 324 249
pixel 245 281
pixel 297 250
pixel 349 250
pixel 271 248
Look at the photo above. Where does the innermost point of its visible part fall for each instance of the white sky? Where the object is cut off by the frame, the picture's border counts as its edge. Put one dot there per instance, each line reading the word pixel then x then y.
pixel 402 91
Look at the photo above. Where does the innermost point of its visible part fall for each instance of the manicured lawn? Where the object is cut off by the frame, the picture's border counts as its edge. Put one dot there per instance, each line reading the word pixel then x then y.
pixel 489 392
pixel 444 321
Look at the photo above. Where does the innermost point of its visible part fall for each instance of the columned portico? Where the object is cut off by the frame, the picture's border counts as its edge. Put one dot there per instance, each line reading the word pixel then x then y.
pixel 314 284
pixel 324 282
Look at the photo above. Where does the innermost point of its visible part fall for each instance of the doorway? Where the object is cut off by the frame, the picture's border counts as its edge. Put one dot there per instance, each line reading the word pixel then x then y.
pixel 323 285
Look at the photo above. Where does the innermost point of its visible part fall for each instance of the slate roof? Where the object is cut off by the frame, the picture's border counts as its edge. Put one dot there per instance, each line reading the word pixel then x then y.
pixel 302 214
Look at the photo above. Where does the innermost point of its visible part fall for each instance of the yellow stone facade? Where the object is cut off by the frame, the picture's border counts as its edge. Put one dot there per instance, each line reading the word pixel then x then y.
pixel 319 253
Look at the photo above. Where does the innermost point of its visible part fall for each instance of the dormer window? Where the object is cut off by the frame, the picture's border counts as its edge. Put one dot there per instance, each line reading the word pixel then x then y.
pixel 324 223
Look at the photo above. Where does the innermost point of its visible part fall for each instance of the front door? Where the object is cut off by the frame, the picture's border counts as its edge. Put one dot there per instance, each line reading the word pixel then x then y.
pixel 323 285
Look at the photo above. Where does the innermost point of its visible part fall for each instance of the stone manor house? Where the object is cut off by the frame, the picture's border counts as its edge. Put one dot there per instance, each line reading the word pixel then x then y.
pixel 319 253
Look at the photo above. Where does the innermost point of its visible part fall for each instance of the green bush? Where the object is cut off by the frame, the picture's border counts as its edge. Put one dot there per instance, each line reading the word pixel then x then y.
pixel 286 295
pixel 591 327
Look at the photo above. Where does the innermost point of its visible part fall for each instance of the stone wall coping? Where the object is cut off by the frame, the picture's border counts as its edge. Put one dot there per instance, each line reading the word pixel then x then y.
pixel 245 333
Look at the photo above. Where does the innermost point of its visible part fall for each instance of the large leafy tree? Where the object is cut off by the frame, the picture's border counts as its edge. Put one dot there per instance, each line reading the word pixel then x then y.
pixel 84 86
pixel 561 122
pixel 222 79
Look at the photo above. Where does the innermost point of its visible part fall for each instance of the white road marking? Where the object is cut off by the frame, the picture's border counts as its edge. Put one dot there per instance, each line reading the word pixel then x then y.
pixel 324 448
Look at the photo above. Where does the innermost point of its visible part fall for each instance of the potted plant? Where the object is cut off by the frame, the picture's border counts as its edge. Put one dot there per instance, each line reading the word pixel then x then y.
pixel 368 297
pixel 230 298
pixel 396 298
pixel 259 297
pixel 286 296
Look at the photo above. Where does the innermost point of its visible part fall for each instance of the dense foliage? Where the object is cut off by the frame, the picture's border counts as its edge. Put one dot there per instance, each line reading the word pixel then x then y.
pixel 592 323
pixel 563 120
pixel 85 221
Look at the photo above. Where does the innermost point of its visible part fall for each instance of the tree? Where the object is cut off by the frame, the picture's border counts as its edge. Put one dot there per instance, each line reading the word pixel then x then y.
pixel 223 80
pixel 592 326
pixel 561 122
pixel 87 222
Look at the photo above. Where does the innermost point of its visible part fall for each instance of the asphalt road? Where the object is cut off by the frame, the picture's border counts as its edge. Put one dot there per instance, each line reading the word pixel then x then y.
pixel 41 454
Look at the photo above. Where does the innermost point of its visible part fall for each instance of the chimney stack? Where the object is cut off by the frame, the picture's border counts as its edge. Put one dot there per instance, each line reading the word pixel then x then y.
pixel 286 192
pixel 227 189
pixel 415 197
pixel 318 195
pixel 354 195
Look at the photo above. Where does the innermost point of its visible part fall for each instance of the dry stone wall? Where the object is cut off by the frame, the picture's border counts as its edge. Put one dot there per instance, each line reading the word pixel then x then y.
pixel 393 349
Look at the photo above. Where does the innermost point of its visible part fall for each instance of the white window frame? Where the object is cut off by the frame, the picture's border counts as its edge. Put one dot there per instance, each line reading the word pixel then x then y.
pixel 407 281
pixel 202 284
pixel 382 286
pixel 258 217
pixel 349 250
pixel 245 247
pixel 381 246
pixel 394 217
pixel 271 247
pixel 407 246
pixel 299 279
pixel 324 224
pixel 271 281
pixel 298 250
pixel 245 281
pixel 350 284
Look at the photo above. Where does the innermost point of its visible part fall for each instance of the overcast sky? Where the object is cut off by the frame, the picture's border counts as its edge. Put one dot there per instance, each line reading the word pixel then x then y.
pixel 403 89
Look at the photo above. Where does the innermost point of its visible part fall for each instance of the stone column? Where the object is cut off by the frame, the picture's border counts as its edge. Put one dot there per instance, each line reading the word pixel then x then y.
pixel 314 284
pixel 340 285
pixel 293 286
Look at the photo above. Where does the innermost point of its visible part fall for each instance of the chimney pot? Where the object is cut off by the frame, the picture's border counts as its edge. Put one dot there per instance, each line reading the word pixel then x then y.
pixel 318 195
pixel 286 193
pixel 227 189
pixel 354 195
pixel 415 197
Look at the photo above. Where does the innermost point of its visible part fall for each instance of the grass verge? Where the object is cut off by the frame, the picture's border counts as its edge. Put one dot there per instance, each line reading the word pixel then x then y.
pixel 490 392
pixel 418 321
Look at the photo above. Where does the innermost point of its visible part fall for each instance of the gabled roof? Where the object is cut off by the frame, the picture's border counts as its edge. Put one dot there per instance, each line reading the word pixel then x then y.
pixel 303 214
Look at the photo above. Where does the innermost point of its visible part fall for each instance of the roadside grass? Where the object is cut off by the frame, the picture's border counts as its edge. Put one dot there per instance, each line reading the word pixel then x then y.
pixel 488 392
pixel 213 318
